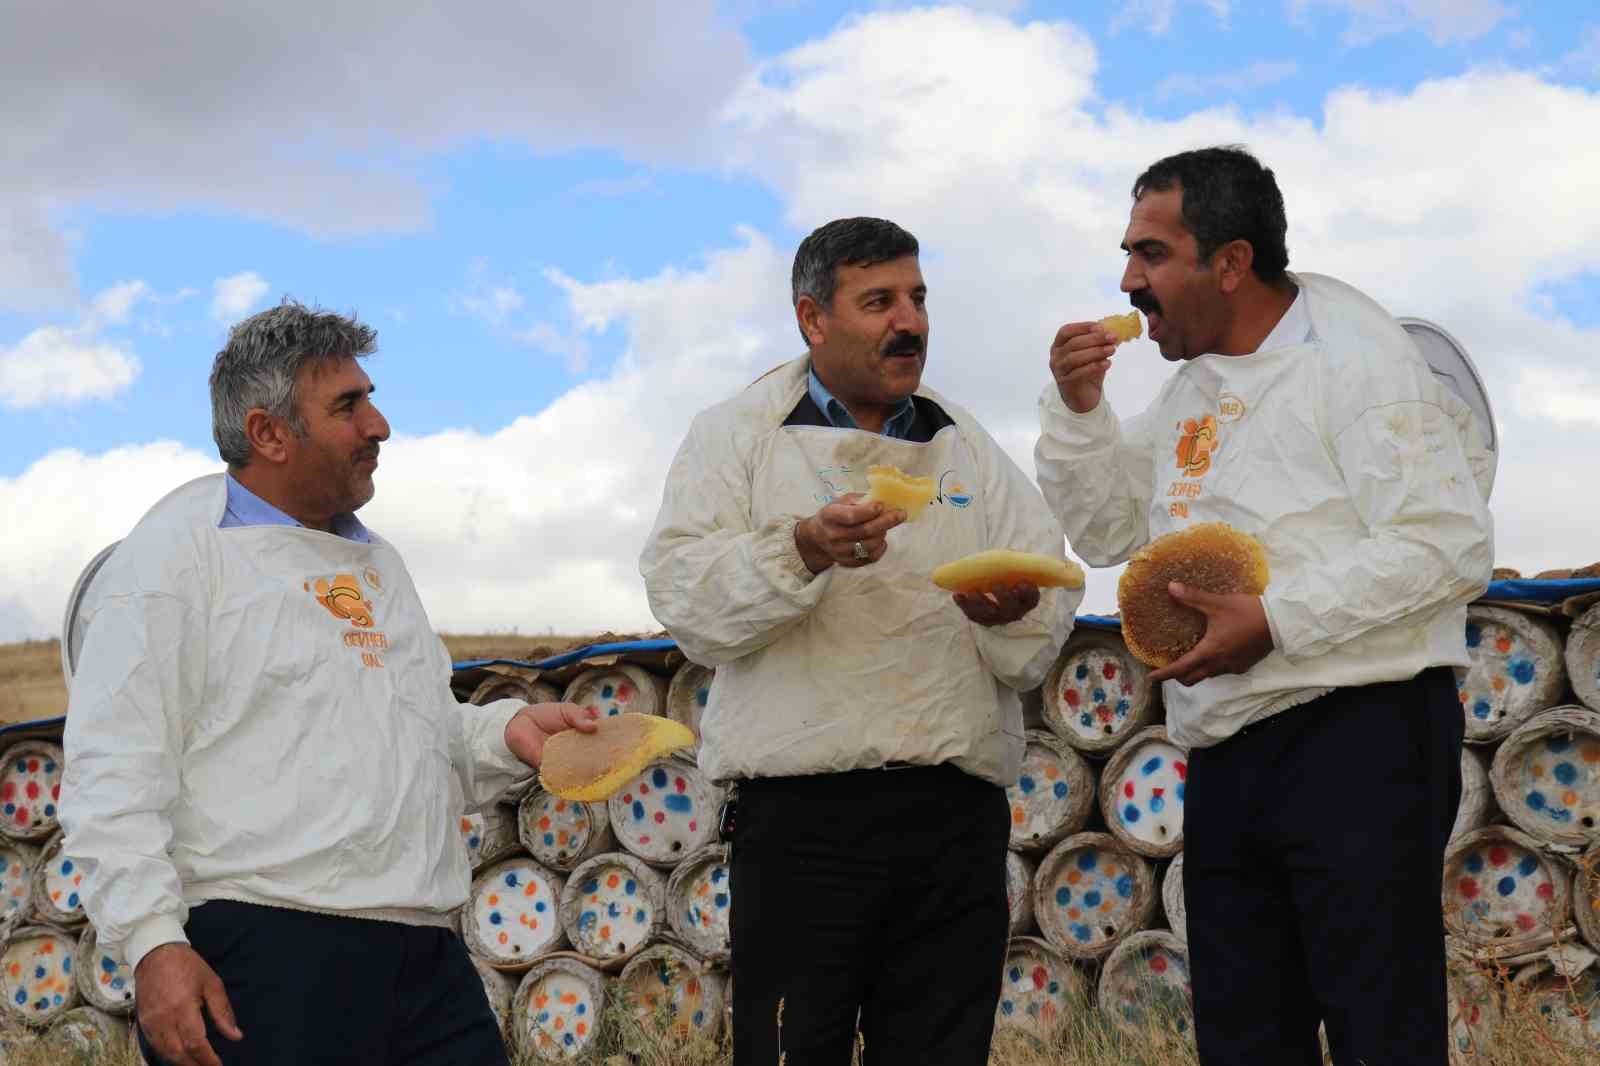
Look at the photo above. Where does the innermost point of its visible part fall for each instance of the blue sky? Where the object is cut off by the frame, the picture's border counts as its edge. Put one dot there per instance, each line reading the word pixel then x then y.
pixel 543 239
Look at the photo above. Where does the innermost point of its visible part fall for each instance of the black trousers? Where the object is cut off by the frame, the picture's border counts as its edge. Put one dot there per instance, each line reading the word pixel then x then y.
pixel 1313 855
pixel 875 892
pixel 317 990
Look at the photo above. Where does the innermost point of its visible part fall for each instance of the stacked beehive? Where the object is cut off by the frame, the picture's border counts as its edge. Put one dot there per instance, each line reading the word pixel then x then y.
pixel 55 982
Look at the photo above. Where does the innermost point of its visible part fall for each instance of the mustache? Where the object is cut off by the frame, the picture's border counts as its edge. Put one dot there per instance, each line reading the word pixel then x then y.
pixel 1145 301
pixel 904 344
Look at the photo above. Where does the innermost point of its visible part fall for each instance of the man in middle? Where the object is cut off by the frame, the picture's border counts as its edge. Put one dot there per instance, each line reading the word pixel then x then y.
pixel 868 721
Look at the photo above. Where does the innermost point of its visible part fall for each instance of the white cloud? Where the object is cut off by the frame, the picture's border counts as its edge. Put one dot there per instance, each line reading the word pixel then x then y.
pixel 1209 86
pixel 237 295
pixel 1562 395
pixel 70 364
pixel 1444 21
pixel 494 304
pixel 154 120
pixel 1156 16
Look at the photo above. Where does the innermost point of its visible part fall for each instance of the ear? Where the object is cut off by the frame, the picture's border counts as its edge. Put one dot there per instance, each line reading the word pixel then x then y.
pixel 268 436
pixel 811 317
pixel 1232 263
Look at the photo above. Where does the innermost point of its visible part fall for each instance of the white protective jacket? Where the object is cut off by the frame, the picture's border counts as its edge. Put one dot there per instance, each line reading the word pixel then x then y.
pixel 263 714
pixel 1362 475
pixel 853 667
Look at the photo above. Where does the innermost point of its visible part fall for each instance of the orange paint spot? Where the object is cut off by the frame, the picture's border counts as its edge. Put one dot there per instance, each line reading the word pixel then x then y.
pixel 569 998
pixel 1503 643
pixel 703 890
pixel 583 1030
pixel 1537 770
pixel 494 901
pixel 561 805
pixel 1462 696
pixel 55 897
pixel 105 979
pixel 531 889
pixel 613 881
pixel 1106 906
pixel 605 932
pixel 544 823
pixel 1074 913
pixel 522 919
pixel 504 938
pixel 1498 684
pixel 466 826
pixel 693 987
pixel 1569 798
pixel 1018 816
pixel 1111 870
pixel 541 999
pixel 1051 773
pixel 1073 877
pixel 561 1023
pixel 533 923
pixel 16 968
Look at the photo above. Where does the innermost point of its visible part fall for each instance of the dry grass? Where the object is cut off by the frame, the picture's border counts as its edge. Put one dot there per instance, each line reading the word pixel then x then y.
pixel 31 685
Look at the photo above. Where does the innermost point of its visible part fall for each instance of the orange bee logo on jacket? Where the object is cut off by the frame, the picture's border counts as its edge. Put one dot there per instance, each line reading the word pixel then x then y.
pixel 342 598
pixel 1195 446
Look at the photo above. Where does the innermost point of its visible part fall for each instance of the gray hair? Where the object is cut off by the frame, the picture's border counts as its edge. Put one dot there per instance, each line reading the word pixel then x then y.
pixel 259 364
pixel 844 241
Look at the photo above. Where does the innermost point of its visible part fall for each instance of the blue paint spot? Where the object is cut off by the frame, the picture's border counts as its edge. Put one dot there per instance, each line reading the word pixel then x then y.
pixel 1522 670
pixel 1081 933
pixel 583 1008
pixel 1180 791
pixel 49 810
pixel 66 867
pixel 607 692
pixel 699 1018
pixel 1157 804
pixel 592 885
pixel 702 695
pixel 494 918
pixel 718 874
pixel 678 804
pixel 11 808
pixel 1063 896
pixel 1566 773
pixel 1558 745
pixel 568 1040
pixel 630 886
pixel 659 778
pixel 1561 815
pixel 1527 866
pixel 1151 765
pixel 1015 973
pixel 721 899
pixel 22 766
pixel 1025 783
pixel 511 879
pixel 1060 790
pixel 1122 708
pixel 1087 860
pixel 72 901
pixel 587 920
pixel 1099 695
pixel 1480 710
pixel 638 811
pixel 1082 672
pixel 66 963
pixel 613 911
pixel 549 840
pixel 1125 886
pixel 108 964
pixel 1535 800
pixel 38 972
pixel 474 843
pixel 1506 886
pixel 22 997
pixel 1006 1008
pixel 1091 899
pixel 1475 863
pixel 49 766
pixel 539 906
pixel 118 984
pixel 543 1017
pixel 1130 814
pixel 1086 719
pixel 1474 636
pixel 638 916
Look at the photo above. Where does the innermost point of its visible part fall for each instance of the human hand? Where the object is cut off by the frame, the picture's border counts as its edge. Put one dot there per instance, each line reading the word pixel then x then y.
pixel 1079 358
pixel 174 983
pixel 1237 636
pixel 1001 605
pixel 536 723
pixel 830 535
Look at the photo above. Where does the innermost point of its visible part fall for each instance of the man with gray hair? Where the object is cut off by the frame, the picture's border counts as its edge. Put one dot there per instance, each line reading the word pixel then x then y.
pixel 264 762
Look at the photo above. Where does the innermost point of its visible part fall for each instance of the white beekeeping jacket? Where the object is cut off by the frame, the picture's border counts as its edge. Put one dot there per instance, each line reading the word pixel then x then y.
pixel 263 714
pixel 853 667
pixel 1364 478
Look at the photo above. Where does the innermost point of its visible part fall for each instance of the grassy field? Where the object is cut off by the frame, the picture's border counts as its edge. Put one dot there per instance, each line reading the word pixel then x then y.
pixel 32 686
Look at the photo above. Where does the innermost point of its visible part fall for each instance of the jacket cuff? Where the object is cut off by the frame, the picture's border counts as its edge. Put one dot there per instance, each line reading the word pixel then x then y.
pixel 149 935
pixel 1089 428
pixel 786 553
pixel 496 755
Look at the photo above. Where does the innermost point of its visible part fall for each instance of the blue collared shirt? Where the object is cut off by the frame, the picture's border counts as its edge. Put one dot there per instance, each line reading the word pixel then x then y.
pixel 898 425
pixel 245 508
